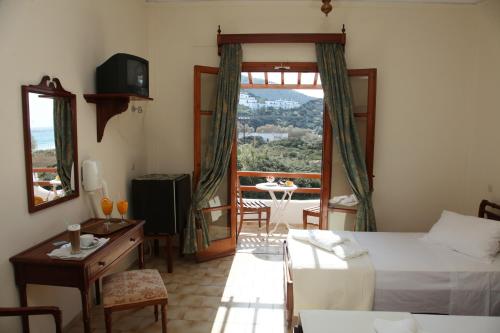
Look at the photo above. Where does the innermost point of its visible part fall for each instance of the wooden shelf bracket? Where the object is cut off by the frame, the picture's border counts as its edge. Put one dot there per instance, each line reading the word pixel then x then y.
pixel 108 106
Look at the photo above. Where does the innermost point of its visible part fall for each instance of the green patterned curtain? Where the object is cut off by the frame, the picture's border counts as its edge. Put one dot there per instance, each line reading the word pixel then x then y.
pixel 335 81
pixel 218 155
pixel 63 141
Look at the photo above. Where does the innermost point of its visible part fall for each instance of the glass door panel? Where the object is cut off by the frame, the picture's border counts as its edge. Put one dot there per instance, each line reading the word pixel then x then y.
pixel 218 221
pixel 363 85
pixel 220 213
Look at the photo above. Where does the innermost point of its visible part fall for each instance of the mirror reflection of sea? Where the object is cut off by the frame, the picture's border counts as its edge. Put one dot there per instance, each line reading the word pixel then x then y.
pixel 44 138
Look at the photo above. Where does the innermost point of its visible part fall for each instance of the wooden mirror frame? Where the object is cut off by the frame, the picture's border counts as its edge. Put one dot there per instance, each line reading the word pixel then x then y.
pixel 53 88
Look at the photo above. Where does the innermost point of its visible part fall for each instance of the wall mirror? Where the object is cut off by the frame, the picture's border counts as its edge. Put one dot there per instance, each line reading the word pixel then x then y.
pixel 50 144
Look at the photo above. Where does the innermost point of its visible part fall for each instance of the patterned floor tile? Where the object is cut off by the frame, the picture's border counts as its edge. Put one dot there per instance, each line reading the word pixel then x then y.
pixel 241 293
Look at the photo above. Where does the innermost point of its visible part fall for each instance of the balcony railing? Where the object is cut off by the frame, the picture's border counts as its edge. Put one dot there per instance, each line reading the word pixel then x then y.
pixel 287 175
pixel 43 182
pixel 293 175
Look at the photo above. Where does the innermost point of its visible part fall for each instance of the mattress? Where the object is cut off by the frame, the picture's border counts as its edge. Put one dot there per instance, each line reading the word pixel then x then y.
pixel 416 276
pixel 320 321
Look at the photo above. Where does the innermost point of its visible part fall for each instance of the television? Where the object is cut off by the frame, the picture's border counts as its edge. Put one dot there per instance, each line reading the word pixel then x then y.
pixel 123 73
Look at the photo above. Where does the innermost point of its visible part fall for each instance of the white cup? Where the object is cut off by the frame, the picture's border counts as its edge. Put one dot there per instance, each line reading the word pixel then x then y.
pixel 86 240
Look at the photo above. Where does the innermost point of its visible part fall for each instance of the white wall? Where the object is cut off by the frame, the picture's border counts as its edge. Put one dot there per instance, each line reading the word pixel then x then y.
pixel 65 39
pixel 423 54
pixel 483 164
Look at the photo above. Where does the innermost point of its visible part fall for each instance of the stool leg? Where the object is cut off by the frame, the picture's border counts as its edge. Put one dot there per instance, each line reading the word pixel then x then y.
pixel 156 312
pixel 304 219
pixel 260 218
pixel 107 319
pixel 164 318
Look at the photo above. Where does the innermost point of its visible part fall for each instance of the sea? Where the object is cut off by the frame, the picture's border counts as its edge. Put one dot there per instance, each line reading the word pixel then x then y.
pixel 44 138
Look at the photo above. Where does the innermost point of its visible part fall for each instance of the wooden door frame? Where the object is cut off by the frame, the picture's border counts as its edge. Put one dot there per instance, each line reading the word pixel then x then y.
pixel 226 246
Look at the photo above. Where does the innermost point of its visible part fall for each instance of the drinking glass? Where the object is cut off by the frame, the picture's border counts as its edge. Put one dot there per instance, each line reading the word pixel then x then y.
pixel 270 179
pixel 122 206
pixel 107 208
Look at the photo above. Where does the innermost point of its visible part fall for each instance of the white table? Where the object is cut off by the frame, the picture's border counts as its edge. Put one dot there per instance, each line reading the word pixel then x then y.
pixel 279 205
pixel 55 183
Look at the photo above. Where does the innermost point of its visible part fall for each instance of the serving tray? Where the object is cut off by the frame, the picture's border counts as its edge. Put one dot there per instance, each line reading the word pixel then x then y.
pixel 103 227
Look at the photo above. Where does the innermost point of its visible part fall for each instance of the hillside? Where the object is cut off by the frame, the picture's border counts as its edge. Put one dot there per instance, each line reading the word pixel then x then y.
pixel 274 94
pixel 308 115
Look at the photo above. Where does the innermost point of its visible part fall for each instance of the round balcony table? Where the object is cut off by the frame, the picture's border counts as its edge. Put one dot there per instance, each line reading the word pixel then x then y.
pixel 280 205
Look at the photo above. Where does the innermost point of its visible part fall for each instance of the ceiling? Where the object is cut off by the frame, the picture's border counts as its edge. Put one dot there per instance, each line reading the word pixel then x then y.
pixel 367 1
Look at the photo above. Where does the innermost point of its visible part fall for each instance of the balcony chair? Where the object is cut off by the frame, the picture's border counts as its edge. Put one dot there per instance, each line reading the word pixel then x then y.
pixel 251 206
pixel 311 211
pixel 34 311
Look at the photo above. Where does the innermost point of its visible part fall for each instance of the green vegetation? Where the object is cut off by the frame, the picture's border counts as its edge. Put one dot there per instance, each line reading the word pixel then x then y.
pixel 260 147
pixel 308 115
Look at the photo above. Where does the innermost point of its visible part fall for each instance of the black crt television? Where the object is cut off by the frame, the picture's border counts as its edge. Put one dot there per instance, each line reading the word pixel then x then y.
pixel 123 73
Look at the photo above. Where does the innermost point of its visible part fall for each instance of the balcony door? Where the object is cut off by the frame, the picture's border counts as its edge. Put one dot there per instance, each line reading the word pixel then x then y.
pixel 220 215
pixel 305 76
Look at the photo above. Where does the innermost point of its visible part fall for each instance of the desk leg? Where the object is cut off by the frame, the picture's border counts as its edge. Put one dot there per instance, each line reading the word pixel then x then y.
pixel 168 252
pixel 141 255
pixel 97 292
pixel 85 310
pixel 24 302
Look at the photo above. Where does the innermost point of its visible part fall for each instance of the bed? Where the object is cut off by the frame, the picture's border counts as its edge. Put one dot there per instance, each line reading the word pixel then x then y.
pixel 319 321
pixel 410 275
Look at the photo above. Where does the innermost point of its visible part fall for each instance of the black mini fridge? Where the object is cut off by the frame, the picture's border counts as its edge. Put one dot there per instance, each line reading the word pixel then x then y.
pixel 163 201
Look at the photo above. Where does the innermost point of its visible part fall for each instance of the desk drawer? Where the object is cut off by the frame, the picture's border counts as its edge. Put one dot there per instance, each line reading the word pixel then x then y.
pixel 114 251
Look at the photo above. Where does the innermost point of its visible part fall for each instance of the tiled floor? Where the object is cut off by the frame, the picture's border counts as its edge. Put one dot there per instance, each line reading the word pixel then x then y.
pixel 242 293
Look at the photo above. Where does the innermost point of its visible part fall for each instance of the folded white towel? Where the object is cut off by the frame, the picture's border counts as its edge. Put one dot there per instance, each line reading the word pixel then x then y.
pixel 398 326
pixel 326 240
pixel 349 250
pixel 345 200
pixel 351 200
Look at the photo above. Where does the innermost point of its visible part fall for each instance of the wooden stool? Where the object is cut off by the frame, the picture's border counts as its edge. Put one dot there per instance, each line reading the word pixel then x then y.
pixel 134 289
pixel 311 211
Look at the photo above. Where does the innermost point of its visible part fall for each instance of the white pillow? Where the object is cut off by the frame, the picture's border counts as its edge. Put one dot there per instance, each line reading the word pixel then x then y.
pixel 470 235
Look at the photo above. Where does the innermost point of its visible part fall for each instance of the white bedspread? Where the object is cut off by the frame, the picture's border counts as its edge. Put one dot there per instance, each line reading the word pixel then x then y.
pixel 321 321
pixel 324 281
pixel 420 277
pixel 410 275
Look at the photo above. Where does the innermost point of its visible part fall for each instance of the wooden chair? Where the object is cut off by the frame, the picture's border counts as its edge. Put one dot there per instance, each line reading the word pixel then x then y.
pixel 311 211
pixel 483 212
pixel 35 311
pixel 251 206
pixel 134 289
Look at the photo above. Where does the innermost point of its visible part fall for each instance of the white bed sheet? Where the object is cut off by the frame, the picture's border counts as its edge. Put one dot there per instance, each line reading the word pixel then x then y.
pixel 324 281
pixel 417 276
pixel 320 321
pixel 410 275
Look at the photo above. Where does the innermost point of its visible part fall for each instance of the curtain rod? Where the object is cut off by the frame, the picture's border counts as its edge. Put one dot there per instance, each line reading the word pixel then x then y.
pixel 280 38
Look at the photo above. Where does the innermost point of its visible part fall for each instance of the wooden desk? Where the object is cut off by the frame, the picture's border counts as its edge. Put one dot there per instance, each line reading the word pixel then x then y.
pixel 35 267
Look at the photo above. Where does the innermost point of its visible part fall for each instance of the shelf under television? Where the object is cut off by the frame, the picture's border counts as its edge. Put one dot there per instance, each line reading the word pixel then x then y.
pixel 109 105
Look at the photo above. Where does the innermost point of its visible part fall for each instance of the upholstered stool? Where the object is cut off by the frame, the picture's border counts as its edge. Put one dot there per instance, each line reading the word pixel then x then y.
pixel 134 289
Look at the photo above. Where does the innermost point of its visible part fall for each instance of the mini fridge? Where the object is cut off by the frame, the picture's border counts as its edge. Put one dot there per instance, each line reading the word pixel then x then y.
pixel 163 201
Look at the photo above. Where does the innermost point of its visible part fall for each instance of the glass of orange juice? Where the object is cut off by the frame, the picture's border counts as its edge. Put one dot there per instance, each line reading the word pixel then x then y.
pixel 107 207
pixel 122 206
